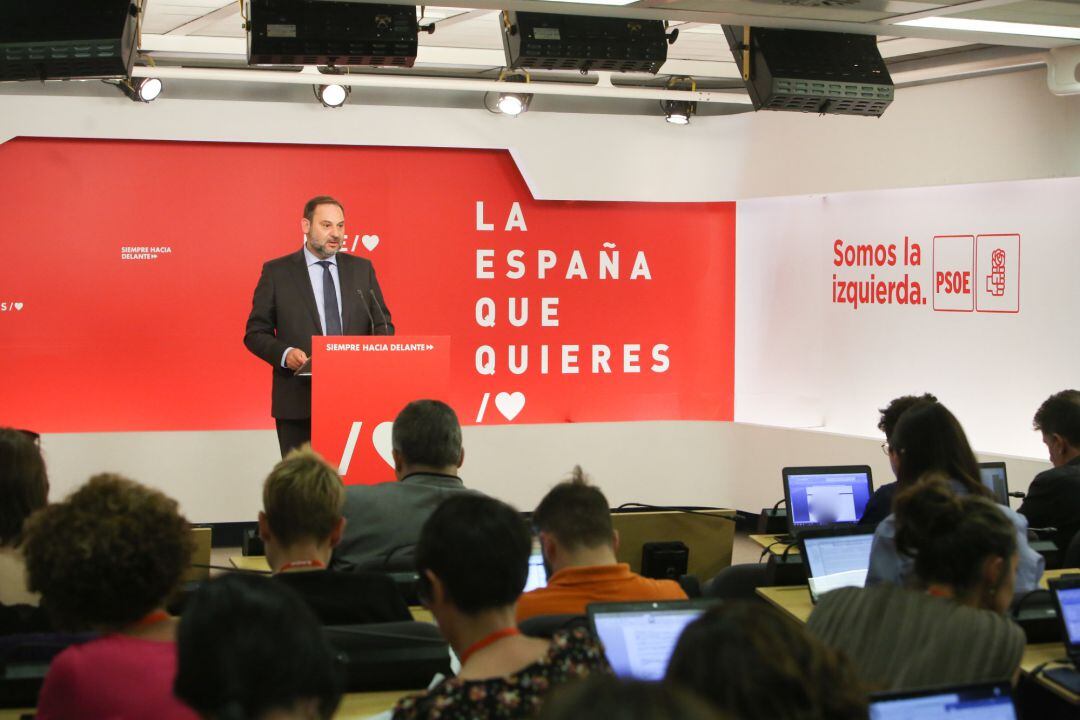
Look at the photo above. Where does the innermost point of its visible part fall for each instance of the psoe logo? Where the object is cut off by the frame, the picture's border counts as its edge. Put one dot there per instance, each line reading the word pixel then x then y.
pixel 997 270
pixel 11 306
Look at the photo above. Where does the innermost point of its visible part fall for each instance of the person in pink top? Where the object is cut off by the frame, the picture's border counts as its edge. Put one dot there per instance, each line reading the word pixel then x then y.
pixel 106 559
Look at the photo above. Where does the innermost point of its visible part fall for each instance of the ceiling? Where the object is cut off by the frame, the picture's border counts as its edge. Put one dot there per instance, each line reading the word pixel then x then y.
pixel 187 35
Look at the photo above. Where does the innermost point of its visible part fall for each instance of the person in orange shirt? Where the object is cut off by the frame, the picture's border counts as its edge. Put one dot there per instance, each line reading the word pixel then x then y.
pixel 579 543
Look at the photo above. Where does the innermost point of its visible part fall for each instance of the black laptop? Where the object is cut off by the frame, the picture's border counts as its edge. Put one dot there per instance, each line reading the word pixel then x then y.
pixel 1066 592
pixel 639 637
pixel 826 497
pixel 985 701
pixel 996 480
pixel 836 558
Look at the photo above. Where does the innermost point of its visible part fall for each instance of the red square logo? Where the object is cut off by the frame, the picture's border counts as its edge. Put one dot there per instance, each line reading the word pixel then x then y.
pixel 954 273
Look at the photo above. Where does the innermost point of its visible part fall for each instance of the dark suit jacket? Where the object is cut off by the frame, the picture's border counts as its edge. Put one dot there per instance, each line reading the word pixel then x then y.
pixel 348 598
pixel 384 521
pixel 1053 500
pixel 284 315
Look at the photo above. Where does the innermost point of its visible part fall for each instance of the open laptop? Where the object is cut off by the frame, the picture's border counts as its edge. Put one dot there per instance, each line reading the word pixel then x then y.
pixel 1066 592
pixel 820 498
pixel 985 701
pixel 836 558
pixel 996 480
pixel 639 637
pixel 537 572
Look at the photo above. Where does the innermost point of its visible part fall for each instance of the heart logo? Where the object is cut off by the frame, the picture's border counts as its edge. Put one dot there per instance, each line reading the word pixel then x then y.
pixel 370 242
pixel 510 404
pixel 18 306
pixel 380 438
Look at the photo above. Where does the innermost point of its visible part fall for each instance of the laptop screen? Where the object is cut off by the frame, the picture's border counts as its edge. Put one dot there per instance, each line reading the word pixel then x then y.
pixel 994 478
pixel 537 574
pixel 819 497
pixel 1068 599
pixel 837 561
pixel 988 702
pixel 637 640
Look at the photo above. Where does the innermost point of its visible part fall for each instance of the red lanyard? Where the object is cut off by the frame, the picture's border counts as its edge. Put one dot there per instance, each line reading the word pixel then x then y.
pixel 301 564
pixel 492 638
pixel 152 618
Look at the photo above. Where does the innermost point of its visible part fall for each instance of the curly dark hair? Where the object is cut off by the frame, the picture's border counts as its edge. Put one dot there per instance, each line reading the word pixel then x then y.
pixel 890 414
pixel 108 554
pixel 752 661
pixel 24 486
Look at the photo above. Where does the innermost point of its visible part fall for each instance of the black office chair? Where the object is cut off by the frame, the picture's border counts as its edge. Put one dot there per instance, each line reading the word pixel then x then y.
pixel 1072 553
pixel 389 656
pixel 544 626
pixel 737 582
pixel 24 661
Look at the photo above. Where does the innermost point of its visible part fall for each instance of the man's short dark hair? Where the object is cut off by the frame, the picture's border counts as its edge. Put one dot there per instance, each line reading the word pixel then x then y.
pixel 576 513
pixel 1060 415
pixel 427 432
pixel 890 414
pixel 24 486
pixel 310 205
pixel 479 548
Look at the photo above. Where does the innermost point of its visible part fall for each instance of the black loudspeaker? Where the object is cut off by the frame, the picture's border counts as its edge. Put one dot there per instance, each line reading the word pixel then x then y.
pixel 772 521
pixel 322 32
pixel 807 71
pixel 664 560
pixel 58 39
pixel 539 41
pixel 251 543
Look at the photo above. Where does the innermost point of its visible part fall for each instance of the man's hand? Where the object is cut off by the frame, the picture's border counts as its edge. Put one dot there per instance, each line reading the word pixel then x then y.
pixel 295 359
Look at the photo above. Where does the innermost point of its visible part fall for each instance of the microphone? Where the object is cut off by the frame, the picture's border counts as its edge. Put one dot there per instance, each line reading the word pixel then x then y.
pixel 378 306
pixel 363 300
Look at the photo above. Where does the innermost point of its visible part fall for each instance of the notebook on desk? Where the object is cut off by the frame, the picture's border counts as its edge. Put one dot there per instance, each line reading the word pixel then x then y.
pixel 986 701
pixel 825 497
pixel 836 558
pixel 639 637
pixel 996 480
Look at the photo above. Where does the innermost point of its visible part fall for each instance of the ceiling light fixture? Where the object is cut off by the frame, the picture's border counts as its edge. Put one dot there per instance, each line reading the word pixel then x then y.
pixel 332 96
pixel 141 89
pixel 513 103
pixel 996 26
pixel 678 112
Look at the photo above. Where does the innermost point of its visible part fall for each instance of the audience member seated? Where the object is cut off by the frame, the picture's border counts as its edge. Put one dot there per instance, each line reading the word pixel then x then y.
pixel 473 558
pixel 300 524
pixel 579 544
pixel 106 559
pixel 24 488
pixel 754 663
pixel 384 520
pixel 603 696
pixel 950 628
pixel 929 439
pixel 879 506
pixel 1053 500
pixel 251 648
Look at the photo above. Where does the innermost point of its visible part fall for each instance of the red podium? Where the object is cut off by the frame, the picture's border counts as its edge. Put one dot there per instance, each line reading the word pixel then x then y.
pixel 359 384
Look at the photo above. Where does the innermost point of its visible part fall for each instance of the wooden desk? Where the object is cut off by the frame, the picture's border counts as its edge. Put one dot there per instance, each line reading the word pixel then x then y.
pixel 794 600
pixel 421 614
pixel 709 534
pixel 1036 655
pixel 361 705
pixel 1055 574
pixel 771 543
pixel 354 706
pixel 256 563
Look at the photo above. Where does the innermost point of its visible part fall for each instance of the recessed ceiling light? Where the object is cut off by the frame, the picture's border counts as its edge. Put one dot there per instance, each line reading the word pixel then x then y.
pixel 996 26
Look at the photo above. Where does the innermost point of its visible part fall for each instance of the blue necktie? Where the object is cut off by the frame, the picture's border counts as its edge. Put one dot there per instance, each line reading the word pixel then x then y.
pixel 330 306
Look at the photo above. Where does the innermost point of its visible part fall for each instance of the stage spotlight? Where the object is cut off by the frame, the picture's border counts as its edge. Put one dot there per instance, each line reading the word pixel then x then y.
pixel 332 96
pixel 513 103
pixel 679 111
pixel 141 89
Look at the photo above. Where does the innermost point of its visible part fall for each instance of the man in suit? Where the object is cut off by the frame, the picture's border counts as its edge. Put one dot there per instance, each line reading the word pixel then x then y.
pixel 314 291
pixel 1053 500
pixel 384 520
